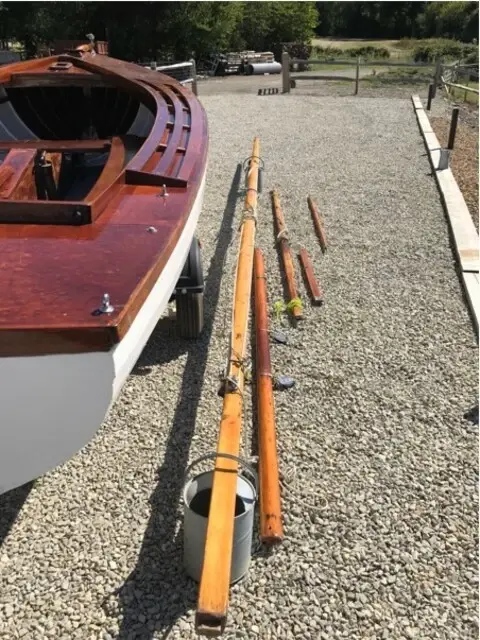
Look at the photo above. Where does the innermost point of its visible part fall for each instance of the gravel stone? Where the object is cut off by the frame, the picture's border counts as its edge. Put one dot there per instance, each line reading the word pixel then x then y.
pixel 378 464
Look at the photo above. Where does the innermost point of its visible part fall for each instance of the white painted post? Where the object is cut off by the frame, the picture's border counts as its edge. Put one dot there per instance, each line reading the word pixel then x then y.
pixel 285 72
pixel 194 76
pixel 357 75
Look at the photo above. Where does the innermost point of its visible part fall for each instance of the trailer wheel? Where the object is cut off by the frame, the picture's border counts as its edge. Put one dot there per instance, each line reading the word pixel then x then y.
pixel 189 295
pixel 189 314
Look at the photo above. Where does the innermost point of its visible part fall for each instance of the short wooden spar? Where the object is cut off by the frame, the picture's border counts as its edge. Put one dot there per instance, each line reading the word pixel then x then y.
pixel 286 254
pixel 215 581
pixel 271 530
pixel 318 224
pixel 314 289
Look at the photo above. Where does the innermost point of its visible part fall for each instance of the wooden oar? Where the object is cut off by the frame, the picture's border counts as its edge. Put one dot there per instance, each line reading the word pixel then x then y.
pixel 318 224
pixel 215 581
pixel 271 530
pixel 287 259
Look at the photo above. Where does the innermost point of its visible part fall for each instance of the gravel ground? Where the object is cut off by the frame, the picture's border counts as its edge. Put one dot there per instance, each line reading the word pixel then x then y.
pixel 379 465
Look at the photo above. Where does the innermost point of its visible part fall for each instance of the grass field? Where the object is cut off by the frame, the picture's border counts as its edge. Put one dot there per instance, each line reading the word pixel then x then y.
pixel 399 49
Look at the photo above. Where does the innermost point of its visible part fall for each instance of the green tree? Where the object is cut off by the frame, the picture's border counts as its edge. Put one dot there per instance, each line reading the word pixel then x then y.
pixel 458 20
pixel 200 27
pixel 267 23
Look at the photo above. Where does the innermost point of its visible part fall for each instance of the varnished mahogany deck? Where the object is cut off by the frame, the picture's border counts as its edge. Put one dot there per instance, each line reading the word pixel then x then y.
pixel 53 276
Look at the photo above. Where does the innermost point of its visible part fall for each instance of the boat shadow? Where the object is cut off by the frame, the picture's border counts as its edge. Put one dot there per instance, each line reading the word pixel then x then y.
pixel 158 592
pixel 11 504
pixel 163 346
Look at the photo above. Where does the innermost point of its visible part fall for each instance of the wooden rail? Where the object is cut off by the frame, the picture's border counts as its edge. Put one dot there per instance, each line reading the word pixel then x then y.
pixel 320 77
pixel 365 63
pixel 271 530
pixel 461 86
pixel 215 581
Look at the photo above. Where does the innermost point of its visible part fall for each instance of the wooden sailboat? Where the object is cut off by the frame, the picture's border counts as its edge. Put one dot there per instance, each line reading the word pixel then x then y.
pixel 102 173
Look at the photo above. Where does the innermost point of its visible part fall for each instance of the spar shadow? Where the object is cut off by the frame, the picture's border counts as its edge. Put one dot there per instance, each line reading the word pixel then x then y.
pixel 11 504
pixel 158 592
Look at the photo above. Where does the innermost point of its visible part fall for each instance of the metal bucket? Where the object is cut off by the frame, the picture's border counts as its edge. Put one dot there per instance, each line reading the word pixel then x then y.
pixel 196 499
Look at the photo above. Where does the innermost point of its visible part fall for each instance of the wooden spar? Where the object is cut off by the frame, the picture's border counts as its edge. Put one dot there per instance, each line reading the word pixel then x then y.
pixel 271 530
pixel 317 221
pixel 314 289
pixel 215 581
pixel 287 259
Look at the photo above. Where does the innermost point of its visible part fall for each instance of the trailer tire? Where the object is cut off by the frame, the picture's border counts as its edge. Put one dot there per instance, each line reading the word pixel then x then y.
pixel 190 316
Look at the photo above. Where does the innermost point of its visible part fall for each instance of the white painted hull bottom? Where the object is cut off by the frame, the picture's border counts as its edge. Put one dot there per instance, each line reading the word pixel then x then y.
pixel 51 406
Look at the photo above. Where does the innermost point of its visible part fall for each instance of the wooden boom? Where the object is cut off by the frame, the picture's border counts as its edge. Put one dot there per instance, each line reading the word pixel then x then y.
pixel 271 530
pixel 215 581
pixel 318 224
pixel 286 254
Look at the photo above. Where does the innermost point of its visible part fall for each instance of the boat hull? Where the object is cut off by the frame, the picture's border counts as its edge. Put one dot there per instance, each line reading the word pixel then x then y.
pixel 52 405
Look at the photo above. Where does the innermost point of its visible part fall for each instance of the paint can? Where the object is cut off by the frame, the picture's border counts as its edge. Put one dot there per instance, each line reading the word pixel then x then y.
pixel 197 493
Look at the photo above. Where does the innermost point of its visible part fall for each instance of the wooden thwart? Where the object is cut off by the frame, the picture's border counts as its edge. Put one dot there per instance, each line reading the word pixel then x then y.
pixel 78 146
pixel 314 289
pixel 317 221
pixel 147 178
pixel 215 581
pixel 286 254
pixel 271 530
pixel 45 212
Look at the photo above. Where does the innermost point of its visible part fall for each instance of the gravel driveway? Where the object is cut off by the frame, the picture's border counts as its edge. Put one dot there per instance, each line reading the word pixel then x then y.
pixel 379 464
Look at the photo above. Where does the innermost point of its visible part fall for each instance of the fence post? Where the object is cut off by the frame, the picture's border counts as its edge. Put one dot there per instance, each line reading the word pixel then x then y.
pixel 453 127
pixel 437 76
pixel 430 95
pixel 285 72
pixel 194 76
pixel 357 75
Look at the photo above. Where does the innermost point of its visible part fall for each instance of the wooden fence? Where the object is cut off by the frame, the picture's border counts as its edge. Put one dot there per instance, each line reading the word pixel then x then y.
pixel 454 73
pixel 289 79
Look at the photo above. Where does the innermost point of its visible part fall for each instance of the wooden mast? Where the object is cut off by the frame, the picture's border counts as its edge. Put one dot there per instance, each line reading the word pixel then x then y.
pixel 296 310
pixel 215 581
pixel 271 530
